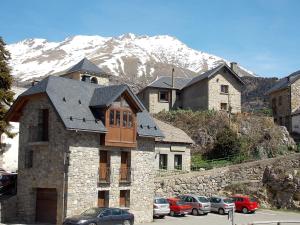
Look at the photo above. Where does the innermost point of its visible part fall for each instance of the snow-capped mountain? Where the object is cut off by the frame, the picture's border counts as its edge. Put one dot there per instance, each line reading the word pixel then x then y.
pixel 135 59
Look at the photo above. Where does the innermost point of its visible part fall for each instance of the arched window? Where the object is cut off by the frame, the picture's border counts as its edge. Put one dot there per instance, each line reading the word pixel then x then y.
pixel 94 80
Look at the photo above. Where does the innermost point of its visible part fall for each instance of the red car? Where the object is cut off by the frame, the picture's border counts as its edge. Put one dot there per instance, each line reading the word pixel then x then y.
pixel 245 204
pixel 178 207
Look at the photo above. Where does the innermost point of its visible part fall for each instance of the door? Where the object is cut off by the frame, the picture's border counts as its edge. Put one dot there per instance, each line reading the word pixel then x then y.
pixel 124 173
pixel 104 166
pixel 46 205
pixel 116 217
pixel 106 218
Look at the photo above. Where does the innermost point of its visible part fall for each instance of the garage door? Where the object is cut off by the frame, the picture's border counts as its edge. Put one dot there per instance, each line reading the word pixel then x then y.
pixel 46 205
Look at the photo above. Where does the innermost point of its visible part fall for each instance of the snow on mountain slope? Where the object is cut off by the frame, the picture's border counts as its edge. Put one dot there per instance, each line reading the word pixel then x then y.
pixel 128 56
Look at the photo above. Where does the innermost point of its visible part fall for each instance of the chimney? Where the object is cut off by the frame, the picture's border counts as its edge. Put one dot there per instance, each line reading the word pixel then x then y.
pixel 173 82
pixel 233 66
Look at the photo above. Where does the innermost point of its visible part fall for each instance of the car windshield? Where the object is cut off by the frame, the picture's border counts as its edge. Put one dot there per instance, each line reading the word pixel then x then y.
pixel 180 202
pixel 93 212
pixel 228 200
pixel 161 201
pixel 203 199
pixel 252 199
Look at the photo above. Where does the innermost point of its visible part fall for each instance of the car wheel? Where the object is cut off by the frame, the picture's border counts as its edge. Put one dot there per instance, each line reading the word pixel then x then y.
pixel 205 214
pixel 162 216
pixel 126 222
pixel 92 224
pixel 172 213
pixel 221 211
pixel 245 210
pixel 195 212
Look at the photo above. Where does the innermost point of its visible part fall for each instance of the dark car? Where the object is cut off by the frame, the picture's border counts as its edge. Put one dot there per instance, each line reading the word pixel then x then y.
pixel 103 216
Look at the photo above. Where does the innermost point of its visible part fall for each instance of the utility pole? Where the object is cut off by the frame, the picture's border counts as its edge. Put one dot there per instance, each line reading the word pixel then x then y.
pixel 229 108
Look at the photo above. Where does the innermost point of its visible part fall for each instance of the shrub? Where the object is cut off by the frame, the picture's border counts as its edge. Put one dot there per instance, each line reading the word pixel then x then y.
pixel 227 144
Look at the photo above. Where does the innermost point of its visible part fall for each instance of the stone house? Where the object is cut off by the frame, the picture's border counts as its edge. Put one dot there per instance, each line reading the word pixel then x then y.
pixel 284 98
pixel 173 151
pixel 82 145
pixel 217 89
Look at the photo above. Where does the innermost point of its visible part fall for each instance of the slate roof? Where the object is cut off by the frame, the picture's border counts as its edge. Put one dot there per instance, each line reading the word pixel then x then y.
pixel 210 73
pixel 85 66
pixel 166 82
pixel 285 82
pixel 173 134
pixel 181 83
pixel 72 99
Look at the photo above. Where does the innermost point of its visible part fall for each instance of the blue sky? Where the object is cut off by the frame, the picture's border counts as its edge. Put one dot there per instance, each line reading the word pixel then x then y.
pixel 261 35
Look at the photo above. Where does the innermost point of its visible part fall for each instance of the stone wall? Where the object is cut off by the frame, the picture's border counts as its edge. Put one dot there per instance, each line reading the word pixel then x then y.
pixel 195 97
pixel 8 210
pixel 215 97
pixel 211 182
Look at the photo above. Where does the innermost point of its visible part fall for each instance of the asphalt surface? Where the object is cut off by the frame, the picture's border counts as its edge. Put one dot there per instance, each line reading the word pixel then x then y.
pixel 240 219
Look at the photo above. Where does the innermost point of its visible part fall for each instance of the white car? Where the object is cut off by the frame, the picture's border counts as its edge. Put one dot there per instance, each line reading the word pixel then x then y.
pixel 161 207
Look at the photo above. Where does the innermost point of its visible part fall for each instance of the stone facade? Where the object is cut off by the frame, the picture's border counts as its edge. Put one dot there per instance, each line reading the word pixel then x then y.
pixel 202 95
pixel 69 163
pixel 180 149
pixel 103 80
pixel 214 181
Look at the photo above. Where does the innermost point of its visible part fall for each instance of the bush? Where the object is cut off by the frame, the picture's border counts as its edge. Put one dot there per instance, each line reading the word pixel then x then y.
pixel 227 144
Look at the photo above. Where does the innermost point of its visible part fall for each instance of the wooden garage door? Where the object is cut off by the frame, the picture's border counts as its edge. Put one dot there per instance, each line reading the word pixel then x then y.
pixel 46 205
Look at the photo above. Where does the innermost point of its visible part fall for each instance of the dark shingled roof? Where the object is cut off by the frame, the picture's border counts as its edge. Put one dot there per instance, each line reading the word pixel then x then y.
pixel 285 82
pixel 166 82
pixel 85 66
pixel 72 99
pixel 181 83
pixel 212 72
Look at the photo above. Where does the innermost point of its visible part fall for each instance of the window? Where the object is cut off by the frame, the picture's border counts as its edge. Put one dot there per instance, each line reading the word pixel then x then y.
pixel 112 118
pixel 280 100
pixel 274 106
pixel 116 212
pixel 118 118
pixel 163 161
pixel 125 118
pixel 107 212
pixel 223 106
pixel 129 120
pixel 29 159
pixel 94 80
pixel 42 127
pixel 178 162
pixel 163 96
pixel 224 89
pixel 124 198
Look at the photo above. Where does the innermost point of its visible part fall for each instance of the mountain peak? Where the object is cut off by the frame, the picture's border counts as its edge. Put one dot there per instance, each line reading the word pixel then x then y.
pixel 134 58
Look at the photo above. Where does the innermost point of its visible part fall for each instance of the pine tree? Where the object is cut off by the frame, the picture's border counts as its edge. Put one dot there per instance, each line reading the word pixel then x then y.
pixel 6 95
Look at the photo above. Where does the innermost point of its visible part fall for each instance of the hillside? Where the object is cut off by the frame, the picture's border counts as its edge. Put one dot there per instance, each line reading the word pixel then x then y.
pixel 253 136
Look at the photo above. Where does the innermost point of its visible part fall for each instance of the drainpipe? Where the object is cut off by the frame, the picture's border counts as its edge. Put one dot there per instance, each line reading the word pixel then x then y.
pixel 173 83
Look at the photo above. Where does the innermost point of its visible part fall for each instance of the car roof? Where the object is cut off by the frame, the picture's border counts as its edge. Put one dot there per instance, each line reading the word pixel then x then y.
pixel 173 199
pixel 240 196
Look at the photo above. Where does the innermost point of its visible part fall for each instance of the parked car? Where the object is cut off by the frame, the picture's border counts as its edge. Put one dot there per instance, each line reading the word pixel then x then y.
pixel 103 216
pixel 199 204
pixel 161 207
pixel 8 183
pixel 178 207
pixel 221 205
pixel 245 204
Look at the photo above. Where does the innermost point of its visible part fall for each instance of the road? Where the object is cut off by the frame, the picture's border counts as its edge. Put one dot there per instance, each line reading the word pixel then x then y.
pixel 240 219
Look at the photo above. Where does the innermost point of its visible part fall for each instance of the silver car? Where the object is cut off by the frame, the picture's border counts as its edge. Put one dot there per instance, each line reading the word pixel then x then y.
pixel 221 205
pixel 161 207
pixel 200 204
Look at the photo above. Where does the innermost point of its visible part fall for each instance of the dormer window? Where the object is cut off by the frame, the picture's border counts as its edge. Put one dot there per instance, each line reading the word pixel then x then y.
pixel 94 80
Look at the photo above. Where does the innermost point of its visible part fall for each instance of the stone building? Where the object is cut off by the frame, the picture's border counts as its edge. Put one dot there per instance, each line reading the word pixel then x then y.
pixel 82 145
pixel 284 98
pixel 87 71
pixel 173 152
pixel 216 89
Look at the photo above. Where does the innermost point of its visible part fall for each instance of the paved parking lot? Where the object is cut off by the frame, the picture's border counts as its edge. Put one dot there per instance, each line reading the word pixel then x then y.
pixel 215 219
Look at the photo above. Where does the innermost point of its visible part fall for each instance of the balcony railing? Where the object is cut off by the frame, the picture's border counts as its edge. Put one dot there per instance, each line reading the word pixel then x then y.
pixel 125 175
pixel 104 175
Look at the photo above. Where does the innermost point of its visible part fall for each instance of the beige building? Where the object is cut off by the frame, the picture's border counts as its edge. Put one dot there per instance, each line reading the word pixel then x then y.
pixel 217 89
pixel 173 152
pixel 285 101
